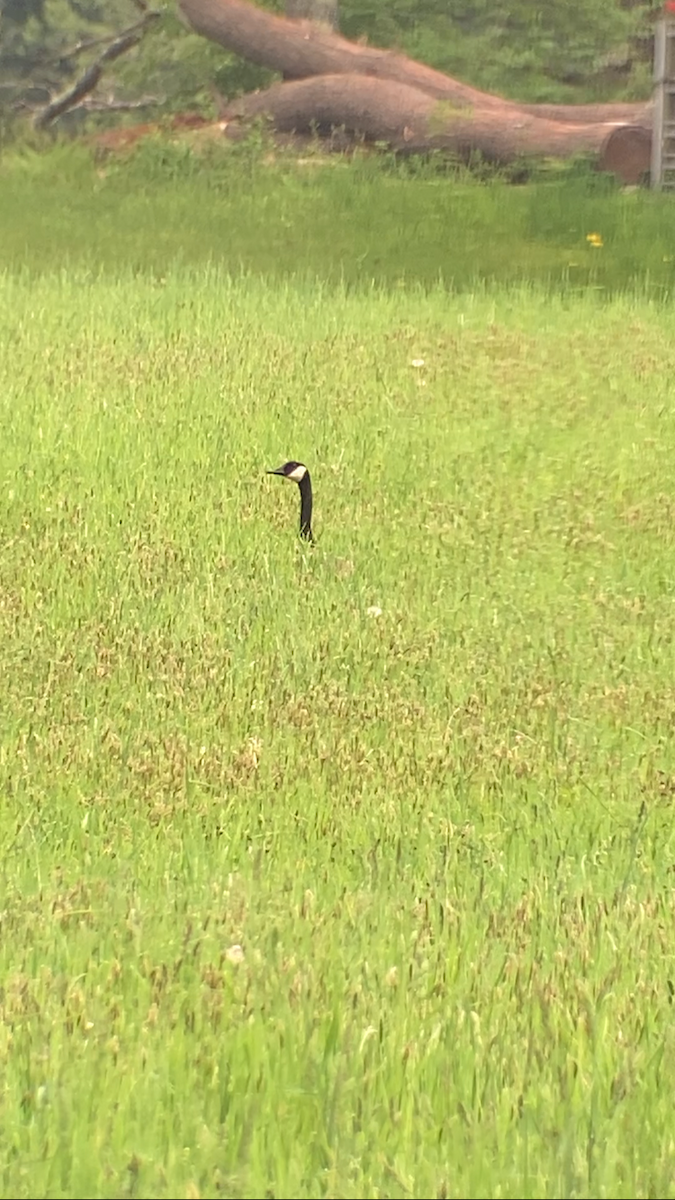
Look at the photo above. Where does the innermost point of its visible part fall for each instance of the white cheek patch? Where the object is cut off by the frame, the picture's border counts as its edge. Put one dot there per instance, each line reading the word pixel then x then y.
pixel 298 474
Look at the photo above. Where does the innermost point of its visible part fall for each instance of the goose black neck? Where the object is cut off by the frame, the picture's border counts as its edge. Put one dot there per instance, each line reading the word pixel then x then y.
pixel 305 486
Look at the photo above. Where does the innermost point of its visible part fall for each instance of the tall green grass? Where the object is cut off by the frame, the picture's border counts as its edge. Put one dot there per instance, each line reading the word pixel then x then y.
pixel 243 208
pixel 346 871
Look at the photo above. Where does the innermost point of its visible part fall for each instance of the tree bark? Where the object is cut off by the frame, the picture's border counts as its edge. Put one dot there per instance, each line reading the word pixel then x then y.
pixel 323 11
pixel 578 114
pixel 299 50
pixel 411 121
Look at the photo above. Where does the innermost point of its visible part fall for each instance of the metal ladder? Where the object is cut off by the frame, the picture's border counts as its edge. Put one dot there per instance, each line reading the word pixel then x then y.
pixel 663 138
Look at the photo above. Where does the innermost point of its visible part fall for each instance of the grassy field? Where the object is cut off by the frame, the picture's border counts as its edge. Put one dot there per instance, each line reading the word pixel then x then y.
pixel 244 209
pixel 344 871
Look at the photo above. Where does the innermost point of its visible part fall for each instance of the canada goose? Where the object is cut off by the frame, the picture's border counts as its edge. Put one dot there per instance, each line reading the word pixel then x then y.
pixel 299 473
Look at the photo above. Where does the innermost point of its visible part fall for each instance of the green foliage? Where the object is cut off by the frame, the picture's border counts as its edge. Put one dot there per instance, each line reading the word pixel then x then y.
pixel 349 872
pixel 35 38
pixel 572 50
pixel 38 55
pixel 20 12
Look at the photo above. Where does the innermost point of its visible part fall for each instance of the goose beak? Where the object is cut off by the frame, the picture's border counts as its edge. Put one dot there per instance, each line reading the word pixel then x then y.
pixel 275 471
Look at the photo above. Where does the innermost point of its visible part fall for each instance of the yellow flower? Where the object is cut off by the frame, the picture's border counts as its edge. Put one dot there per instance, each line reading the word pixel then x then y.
pixel 594 239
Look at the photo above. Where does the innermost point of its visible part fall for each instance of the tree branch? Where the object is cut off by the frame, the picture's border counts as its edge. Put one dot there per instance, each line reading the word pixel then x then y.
pixel 89 44
pixel 88 80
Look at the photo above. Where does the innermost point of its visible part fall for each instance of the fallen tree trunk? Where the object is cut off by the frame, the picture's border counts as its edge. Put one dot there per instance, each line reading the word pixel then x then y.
pixel 580 114
pixel 627 153
pixel 300 50
pixel 412 121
